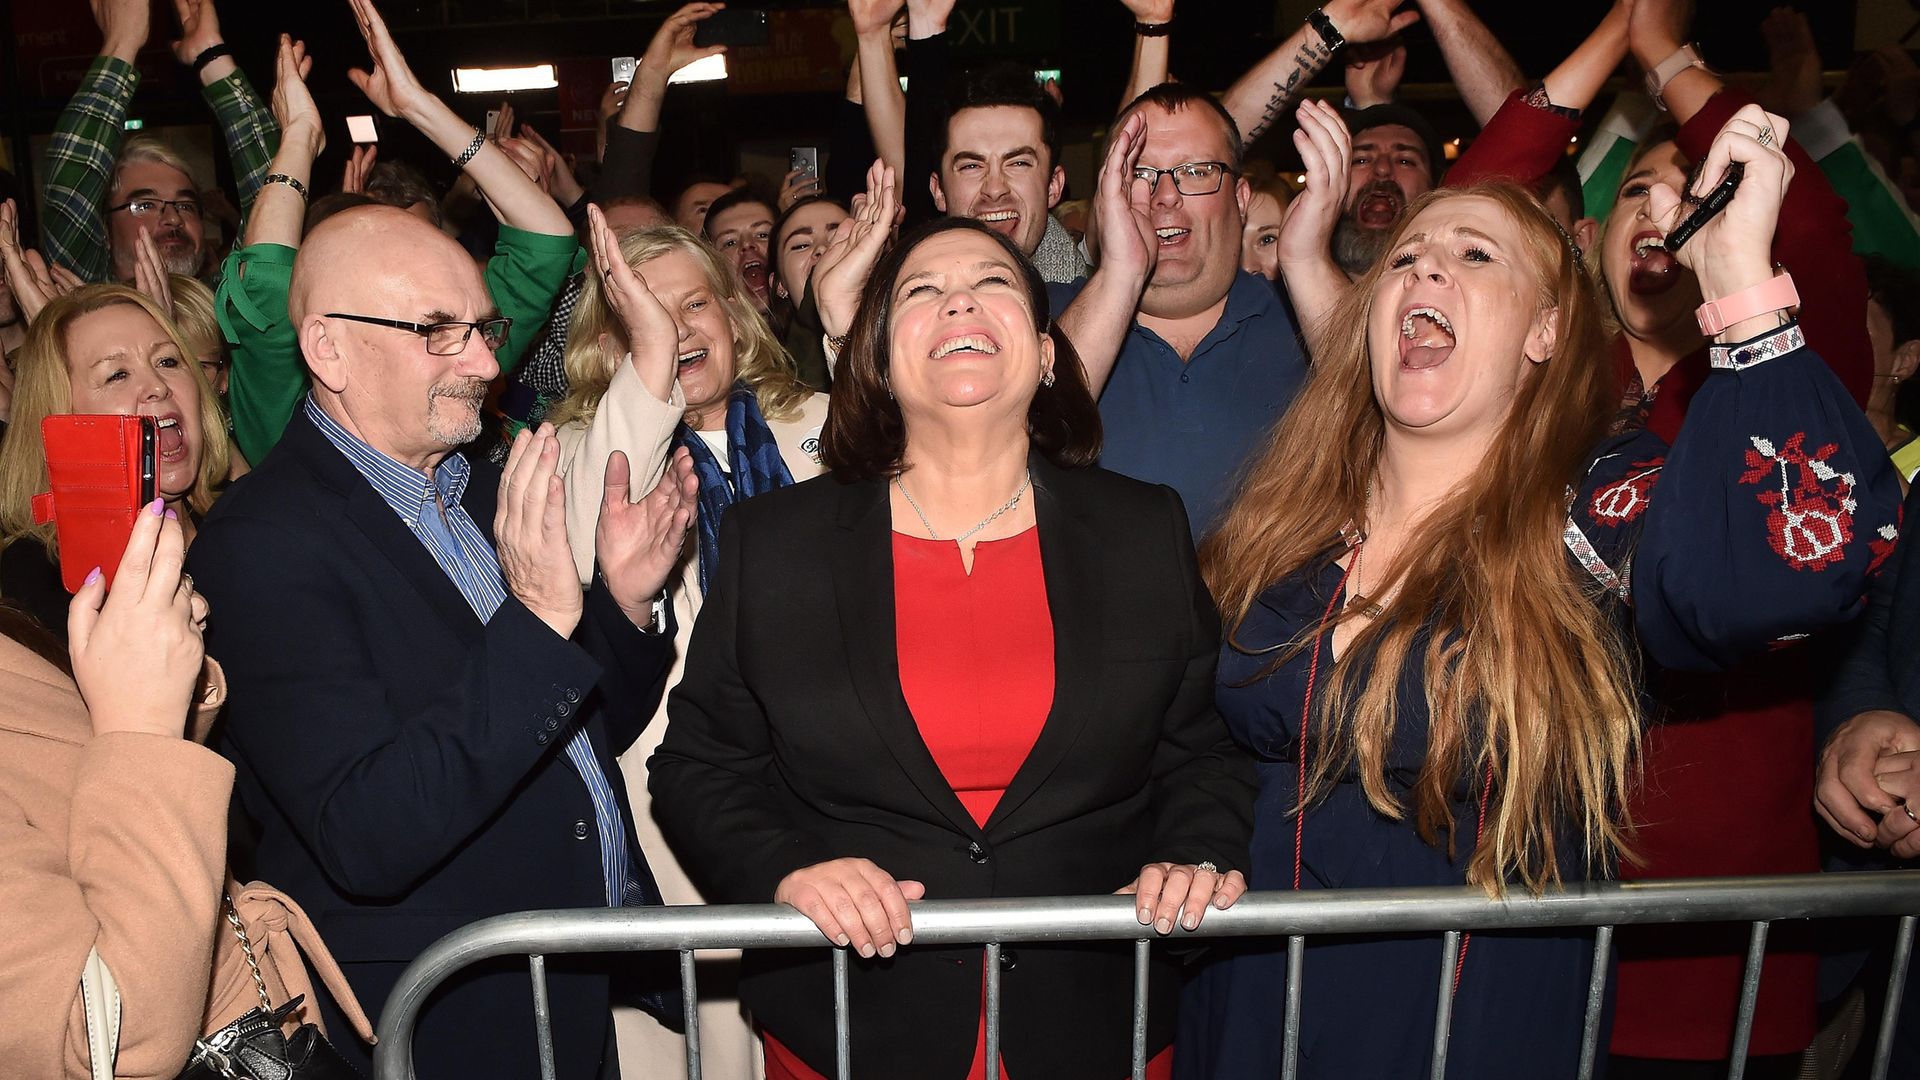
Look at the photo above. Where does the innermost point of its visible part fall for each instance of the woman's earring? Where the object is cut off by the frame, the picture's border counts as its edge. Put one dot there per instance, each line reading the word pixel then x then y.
pixel 1046 377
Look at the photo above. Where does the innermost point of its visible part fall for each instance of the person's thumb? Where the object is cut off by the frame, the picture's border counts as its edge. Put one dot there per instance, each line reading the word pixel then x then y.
pixel 83 611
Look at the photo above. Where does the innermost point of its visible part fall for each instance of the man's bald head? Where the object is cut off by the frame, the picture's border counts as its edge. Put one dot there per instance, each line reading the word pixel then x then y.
pixel 380 264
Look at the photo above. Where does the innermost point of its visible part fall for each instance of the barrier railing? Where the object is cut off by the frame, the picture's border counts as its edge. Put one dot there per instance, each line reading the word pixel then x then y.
pixel 1295 916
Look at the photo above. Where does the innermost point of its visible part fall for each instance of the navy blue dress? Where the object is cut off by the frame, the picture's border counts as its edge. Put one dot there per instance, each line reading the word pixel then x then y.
pixel 1776 503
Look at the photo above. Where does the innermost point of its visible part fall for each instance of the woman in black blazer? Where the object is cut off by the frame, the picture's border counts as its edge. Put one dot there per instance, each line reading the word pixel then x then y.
pixel 849 737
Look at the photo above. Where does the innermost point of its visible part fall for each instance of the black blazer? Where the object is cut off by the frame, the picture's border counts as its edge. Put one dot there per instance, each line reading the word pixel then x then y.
pixel 400 762
pixel 789 743
pixel 1880 664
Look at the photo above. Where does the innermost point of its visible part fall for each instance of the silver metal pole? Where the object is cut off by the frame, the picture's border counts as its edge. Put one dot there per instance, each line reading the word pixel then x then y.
pixel 1296 970
pixel 842 1023
pixel 690 1004
pixel 1896 987
pixel 1749 995
pixel 1142 955
pixel 542 1015
pixel 1596 998
pixel 993 1010
pixel 1443 1009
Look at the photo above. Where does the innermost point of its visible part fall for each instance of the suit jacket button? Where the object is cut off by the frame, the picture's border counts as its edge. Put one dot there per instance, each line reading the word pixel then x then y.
pixel 1009 959
pixel 541 738
pixel 976 852
pixel 552 724
pixel 580 829
pixel 573 696
pixel 563 710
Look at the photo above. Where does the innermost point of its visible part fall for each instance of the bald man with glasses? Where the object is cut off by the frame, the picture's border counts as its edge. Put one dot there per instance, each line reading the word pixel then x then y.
pixel 424 709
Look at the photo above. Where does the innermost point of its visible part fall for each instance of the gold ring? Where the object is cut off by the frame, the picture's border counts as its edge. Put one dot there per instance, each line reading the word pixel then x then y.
pixel 1915 818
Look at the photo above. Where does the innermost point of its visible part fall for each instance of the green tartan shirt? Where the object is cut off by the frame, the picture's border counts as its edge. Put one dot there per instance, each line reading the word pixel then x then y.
pixel 87 140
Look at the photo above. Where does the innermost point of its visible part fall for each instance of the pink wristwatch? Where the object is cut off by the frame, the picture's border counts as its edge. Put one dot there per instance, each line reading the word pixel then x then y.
pixel 1774 294
pixel 1686 56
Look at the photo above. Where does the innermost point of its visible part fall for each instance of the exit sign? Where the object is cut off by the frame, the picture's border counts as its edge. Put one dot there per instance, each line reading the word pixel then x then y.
pixel 1005 27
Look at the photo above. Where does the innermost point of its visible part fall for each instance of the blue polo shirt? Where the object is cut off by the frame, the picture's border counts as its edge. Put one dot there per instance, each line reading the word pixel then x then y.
pixel 1190 425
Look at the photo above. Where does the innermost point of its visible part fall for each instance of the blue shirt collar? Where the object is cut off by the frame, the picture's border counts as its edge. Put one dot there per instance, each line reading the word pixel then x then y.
pixel 407 490
pixel 1250 296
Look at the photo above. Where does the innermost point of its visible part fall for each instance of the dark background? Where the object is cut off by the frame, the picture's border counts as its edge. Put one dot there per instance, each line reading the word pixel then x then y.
pixel 705 124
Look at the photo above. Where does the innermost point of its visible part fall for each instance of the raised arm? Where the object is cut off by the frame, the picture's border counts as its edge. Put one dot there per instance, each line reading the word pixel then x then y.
pixel 1306 255
pixel 86 141
pixel 245 121
pixel 1151 51
pixel 1100 317
pixel 671 49
pixel 929 54
pixel 1258 98
pixel 1481 69
pixel 394 90
pixel 881 98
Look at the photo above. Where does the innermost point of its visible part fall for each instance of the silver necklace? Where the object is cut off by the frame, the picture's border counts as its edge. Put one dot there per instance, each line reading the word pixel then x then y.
pixel 984 522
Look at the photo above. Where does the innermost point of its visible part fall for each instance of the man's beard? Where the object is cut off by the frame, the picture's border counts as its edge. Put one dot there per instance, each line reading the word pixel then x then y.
pixel 455 425
pixel 183 258
pixel 1356 248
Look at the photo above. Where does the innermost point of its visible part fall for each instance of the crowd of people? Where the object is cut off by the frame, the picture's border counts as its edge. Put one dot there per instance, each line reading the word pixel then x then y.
pixel 915 531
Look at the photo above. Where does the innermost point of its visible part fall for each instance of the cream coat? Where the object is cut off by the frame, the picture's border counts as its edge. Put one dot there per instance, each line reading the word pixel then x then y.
pixel 632 420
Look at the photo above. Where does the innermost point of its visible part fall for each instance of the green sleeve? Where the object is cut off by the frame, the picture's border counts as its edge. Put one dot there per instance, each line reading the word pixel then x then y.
pixel 524 277
pixel 268 377
pixel 1603 183
pixel 252 134
pixel 1881 223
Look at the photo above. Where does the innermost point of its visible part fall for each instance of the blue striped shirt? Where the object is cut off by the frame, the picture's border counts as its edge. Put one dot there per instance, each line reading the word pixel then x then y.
pixel 430 507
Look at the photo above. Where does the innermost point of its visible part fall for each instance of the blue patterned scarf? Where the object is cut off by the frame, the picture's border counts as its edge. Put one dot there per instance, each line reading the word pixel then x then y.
pixel 756 467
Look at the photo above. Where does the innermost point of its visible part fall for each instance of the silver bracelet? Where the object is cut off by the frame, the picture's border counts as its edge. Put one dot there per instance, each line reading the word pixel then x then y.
pixel 479 140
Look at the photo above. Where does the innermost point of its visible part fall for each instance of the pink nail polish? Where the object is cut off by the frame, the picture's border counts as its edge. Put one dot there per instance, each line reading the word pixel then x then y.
pixel 172 516
pixel 156 506
pixel 93 575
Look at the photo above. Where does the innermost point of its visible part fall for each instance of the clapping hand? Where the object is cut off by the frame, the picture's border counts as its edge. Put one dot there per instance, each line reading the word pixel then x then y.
pixel 150 273
pixel 874 16
pixel 199 29
pixel 652 336
pixel 1122 202
pixel 637 544
pixel 293 103
pixel 1150 11
pixel 1793 79
pixel 1325 149
pixel 33 282
pixel 1361 21
pixel 359 167
pixel 530 531
pixel 137 646
pixel 391 85
pixel 850 255
pixel 1374 72
pixel 1734 250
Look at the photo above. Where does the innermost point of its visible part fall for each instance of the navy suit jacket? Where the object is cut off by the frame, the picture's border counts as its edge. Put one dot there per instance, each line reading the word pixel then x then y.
pixel 400 763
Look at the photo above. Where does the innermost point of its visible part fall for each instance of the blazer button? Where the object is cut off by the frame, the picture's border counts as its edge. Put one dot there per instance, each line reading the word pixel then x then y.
pixel 1009 959
pixel 552 724
pixel 976 852
pixel 580 829
pixel 541 738
pixel 573 696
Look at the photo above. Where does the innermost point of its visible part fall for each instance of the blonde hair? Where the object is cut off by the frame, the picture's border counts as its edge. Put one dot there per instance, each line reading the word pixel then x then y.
pixel 1528 682
pixel 43 387
pixel 193 314
pixel 758 359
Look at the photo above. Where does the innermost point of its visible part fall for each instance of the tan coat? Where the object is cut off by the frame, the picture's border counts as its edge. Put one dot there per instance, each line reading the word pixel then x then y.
pixel 632 420
pixel 117 843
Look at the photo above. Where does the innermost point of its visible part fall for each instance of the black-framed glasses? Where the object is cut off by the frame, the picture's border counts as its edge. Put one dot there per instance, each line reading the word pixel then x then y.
pixel 443 338
pixel 1189 178
pixel 147 206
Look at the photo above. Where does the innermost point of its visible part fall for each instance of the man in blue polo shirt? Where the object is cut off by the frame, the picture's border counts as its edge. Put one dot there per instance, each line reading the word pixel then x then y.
pixel 1193 359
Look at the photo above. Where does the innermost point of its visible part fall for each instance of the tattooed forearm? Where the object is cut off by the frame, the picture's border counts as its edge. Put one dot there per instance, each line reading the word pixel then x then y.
pixel 1313 56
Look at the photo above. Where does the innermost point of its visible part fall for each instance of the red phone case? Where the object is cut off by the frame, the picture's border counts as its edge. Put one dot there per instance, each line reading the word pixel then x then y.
pixel 103 473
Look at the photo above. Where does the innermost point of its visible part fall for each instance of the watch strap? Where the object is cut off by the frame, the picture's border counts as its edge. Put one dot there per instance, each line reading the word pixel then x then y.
pixel 1686 56
pixel 1774 294
pixel 1756 351
pixel 1329 33
pixel 1153 29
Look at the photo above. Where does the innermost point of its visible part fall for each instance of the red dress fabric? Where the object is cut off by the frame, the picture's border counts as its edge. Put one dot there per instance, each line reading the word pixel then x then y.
pixel 1727 787
pixel 976 668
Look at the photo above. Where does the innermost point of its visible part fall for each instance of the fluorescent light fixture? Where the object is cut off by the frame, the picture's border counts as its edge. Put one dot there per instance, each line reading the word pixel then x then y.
pixel 504 80
pixel 707 70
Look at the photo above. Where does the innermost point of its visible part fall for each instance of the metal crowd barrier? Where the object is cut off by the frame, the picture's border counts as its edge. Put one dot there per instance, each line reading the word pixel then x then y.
pixel 1759 901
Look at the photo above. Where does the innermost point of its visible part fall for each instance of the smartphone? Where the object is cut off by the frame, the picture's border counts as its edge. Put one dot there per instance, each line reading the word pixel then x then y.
pixel 493 121
pixel 1710 205
pixel 805 160
pixel 361 129
pixel 744 27
pixel 104 470
pixel 623 68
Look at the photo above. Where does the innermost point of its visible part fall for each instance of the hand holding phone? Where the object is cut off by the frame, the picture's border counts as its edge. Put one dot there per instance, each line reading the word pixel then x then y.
pixel 104 471
pixel 137 646
pixel 743 27
pixel 623 69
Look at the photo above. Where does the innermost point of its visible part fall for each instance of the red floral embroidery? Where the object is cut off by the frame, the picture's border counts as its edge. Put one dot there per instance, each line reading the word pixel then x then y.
pixel 1810 503
pixel 1627 498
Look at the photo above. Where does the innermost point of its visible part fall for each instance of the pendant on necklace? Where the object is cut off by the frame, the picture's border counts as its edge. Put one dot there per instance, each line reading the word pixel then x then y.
pixel 1368 609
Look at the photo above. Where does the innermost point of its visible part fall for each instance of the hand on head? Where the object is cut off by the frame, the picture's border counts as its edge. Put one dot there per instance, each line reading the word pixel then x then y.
pixel 652 336
pixel 1121 210
pixel 137 647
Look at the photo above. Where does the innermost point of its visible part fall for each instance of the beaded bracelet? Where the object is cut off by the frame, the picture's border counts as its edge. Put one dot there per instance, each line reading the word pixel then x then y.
pixel 479 140
pixel 283 178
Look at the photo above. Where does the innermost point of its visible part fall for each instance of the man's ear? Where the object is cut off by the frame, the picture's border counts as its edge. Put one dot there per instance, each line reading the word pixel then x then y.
pixel 939 196
pixel 329 368
pixel 1544 337
pixel 1056 186
pixel 1585 232
pixel 1906 359
pixel 1242 196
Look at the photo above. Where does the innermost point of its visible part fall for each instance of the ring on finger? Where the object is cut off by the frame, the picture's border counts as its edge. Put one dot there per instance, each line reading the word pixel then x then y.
pixel 1765 138
pixel 1911 816
pixel 1206 866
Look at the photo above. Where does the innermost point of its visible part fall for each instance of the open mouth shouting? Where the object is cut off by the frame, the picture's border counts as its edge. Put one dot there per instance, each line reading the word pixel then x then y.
pixel 965 345
pixel 1426 338
pixel 1004 222
pixel 1379 205
pixel 170 439
pixel 754 273
pixel 691 360
pixel 1652 269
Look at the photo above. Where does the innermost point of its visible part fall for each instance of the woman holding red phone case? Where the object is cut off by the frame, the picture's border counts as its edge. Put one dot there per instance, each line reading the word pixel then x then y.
pixel 102 349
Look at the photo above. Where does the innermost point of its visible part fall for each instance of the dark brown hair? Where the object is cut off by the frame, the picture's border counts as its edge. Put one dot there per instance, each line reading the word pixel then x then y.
pixel 1172 97
pixel 864 436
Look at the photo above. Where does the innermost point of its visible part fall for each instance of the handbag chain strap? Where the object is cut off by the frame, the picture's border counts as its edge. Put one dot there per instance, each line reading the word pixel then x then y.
pixel 246 948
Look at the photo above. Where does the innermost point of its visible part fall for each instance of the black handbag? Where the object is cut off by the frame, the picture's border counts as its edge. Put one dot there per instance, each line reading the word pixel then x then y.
pixel 255 1046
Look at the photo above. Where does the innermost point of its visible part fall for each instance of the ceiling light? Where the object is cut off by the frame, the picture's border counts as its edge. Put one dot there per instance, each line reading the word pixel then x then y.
pixel 504 80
